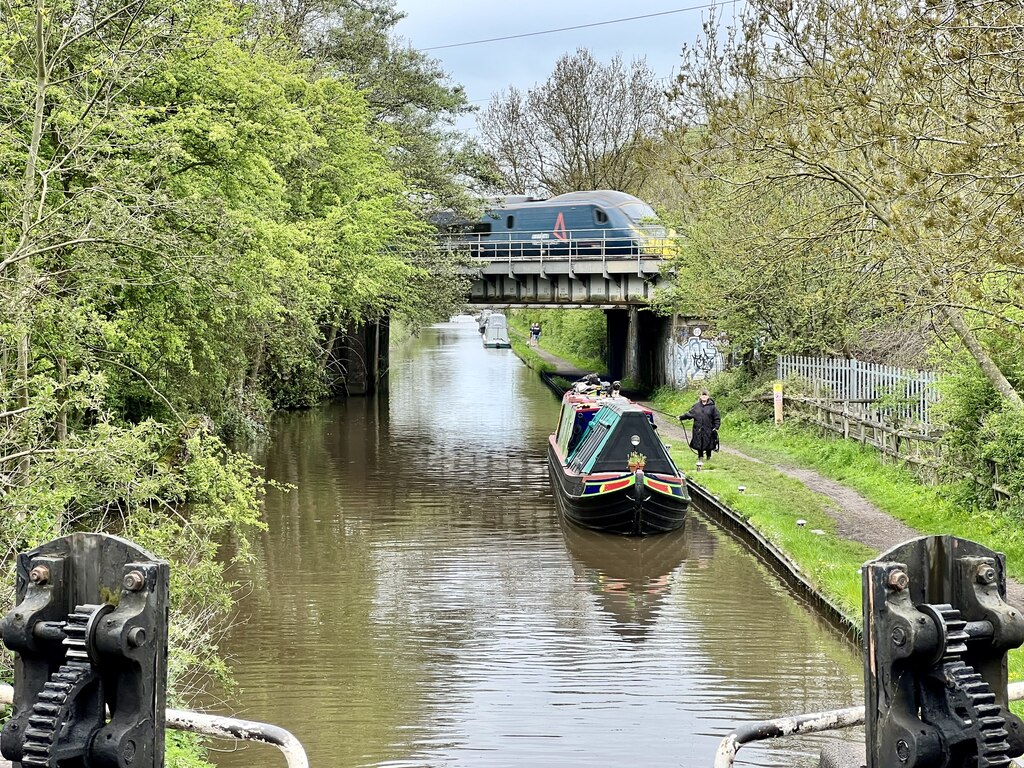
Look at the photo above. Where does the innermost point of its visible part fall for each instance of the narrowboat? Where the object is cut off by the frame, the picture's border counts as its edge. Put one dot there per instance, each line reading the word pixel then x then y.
pixel 608 467
pixel 496 331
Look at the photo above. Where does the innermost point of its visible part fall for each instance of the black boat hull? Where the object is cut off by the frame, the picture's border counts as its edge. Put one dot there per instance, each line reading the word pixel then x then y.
pixel 635 510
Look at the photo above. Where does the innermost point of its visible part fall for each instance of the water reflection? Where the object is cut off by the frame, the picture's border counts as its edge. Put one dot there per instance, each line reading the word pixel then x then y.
pixel 415 601
pixel 631 577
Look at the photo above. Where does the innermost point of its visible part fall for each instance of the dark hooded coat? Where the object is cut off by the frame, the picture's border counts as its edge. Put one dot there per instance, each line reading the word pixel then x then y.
pixel 706 420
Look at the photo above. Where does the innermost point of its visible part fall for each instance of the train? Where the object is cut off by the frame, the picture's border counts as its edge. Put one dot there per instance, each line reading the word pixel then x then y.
pixel 599 222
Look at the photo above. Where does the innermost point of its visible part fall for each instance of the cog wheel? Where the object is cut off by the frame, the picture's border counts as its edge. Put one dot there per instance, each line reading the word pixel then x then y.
pixel 975 703
pixel 968 697
pixel 53 716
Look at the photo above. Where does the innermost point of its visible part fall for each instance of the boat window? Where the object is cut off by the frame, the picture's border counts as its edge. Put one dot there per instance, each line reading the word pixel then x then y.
pixel 592 441
pixel 510 222
pixel 565 428
pixel 600 216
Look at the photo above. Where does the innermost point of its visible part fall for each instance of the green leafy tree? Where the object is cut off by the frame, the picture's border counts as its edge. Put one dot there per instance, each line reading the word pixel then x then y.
pixel 903 111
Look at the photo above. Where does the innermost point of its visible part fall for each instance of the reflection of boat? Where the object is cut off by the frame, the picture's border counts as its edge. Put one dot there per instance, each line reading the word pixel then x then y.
pixel 630 576
pixel 495 331
pixel 609 468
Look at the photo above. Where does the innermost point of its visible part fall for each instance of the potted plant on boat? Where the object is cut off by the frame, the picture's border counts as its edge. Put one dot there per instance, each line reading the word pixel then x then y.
pixel 636 460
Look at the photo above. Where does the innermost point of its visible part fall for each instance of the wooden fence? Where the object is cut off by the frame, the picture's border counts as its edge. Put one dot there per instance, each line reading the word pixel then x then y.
pixel 886 408
pixel 889 394
pixel 917 447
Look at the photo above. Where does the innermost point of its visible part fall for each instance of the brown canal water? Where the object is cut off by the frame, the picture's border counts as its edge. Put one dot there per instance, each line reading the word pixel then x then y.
pixel 415 602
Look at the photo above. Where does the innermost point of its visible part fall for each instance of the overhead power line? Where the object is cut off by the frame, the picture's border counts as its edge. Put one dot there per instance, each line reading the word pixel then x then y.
pixel 568 29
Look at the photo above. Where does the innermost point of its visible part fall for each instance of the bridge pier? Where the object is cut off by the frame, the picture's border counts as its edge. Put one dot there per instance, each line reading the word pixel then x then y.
pixel 637 339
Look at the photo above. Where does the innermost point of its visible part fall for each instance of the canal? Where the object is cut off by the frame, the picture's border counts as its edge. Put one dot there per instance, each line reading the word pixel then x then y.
pixel 416 603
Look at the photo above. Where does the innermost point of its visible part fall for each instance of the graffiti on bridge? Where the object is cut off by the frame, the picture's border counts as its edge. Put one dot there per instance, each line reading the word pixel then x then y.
pixel 695 358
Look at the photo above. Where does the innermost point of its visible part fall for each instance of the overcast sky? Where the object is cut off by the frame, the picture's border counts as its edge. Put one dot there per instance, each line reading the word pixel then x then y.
pixel 490 67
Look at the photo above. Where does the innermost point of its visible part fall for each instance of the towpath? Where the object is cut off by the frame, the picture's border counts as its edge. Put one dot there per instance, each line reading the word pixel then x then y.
pixel 856 518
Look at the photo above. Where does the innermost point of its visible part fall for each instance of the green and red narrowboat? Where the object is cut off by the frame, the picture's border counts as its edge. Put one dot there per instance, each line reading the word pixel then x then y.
pixel 610 470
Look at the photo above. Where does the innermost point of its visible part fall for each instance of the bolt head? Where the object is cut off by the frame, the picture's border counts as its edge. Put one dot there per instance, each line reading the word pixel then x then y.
pixel 39 575
pixel 134 581
pixel 986 574
pixel 899 636
pixel 902 750
pixel 137 637
pixel 898 580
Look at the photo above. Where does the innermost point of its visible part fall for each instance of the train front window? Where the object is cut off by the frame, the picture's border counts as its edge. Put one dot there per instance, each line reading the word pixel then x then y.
pixel 639 212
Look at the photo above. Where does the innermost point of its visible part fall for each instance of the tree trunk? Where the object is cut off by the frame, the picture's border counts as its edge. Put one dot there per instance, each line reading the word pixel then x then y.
pixel 22 288
pixel 981 357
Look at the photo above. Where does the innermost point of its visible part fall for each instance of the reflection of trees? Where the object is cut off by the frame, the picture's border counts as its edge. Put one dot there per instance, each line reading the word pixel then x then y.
pixel 631 576
pixel 377 482
pixel 770 650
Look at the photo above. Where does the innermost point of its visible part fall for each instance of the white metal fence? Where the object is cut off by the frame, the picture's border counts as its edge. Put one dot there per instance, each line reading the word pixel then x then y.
pixel 886 392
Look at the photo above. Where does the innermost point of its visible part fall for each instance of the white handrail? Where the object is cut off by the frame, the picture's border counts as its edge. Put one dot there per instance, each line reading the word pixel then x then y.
pixel 815 722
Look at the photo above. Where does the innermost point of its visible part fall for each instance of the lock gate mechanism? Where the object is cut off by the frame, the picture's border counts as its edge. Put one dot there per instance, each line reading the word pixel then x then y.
pixel 936 631
pixel 89 631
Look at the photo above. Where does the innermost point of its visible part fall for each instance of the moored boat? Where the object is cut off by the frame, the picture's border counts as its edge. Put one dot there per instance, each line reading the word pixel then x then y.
pixel 495 331
pixel 609 469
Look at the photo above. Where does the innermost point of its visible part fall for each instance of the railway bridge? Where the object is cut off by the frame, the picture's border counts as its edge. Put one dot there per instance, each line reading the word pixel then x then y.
pixel 644 348
pixel 622 284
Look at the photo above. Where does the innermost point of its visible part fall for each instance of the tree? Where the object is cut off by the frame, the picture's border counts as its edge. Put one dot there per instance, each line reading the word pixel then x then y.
pixel 909 114
pixel 588 126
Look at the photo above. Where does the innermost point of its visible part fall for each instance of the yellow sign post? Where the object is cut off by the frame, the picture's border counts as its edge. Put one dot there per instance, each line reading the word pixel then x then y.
pixel 778 402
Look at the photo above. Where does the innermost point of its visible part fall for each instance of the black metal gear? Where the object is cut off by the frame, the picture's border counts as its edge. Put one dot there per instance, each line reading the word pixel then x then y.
pixel 968 696
pixel 975 703
pixel 53 713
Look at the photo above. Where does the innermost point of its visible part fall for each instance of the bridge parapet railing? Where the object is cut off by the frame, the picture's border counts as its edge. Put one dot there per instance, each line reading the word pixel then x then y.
pixel 567 244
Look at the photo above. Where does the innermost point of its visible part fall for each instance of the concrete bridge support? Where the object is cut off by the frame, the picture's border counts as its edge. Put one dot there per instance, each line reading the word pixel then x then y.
pixel 636 342
pixel 358 362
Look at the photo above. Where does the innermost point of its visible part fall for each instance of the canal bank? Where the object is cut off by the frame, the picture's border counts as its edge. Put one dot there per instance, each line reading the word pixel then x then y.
pixel 811 507
pixel 415 600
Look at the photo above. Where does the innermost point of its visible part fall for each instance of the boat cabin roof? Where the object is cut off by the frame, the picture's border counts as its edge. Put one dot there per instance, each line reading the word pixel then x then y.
pixel 598 434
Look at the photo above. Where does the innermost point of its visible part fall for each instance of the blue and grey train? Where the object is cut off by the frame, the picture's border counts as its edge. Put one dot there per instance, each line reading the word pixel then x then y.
pixel 596 223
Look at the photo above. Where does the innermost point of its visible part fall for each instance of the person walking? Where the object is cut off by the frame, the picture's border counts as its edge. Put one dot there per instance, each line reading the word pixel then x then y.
pixel 706 420
pixel 534 334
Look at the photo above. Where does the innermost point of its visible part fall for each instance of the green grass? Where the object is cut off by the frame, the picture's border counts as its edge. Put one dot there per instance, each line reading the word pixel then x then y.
pixel 550 341
pixel 527 354
pixel 773 501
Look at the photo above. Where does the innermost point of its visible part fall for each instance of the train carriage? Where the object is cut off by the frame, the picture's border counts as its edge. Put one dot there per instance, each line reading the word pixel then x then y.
pixel 595 223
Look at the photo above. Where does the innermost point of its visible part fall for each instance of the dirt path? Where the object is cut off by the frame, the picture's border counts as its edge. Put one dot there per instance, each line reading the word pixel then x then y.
pixel 856 518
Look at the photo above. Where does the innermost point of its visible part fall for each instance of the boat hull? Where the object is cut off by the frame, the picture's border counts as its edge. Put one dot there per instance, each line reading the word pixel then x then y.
pixel 634 510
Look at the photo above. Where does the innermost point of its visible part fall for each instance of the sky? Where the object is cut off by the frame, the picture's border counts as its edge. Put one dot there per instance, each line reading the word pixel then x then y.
pixel 490 67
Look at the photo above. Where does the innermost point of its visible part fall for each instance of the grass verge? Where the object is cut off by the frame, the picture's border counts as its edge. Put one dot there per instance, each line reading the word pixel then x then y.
pixel 772 503
pixel 527 354
pixel 520 321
